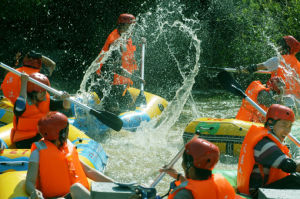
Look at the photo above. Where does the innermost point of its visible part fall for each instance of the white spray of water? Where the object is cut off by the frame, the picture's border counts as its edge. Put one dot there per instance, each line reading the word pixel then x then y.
pixel 138 156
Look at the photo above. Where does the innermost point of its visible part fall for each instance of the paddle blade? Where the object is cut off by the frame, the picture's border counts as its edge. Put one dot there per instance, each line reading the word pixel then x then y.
pixel 109 119
pixel 230 84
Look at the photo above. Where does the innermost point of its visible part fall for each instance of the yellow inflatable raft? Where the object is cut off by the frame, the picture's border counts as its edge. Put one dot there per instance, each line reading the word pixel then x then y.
pixel 131 119
pixel 227 134
pixel 14 162
pixel 6 111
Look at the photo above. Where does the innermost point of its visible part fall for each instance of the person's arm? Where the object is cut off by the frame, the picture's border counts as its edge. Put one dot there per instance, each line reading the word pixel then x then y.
pixel 173 173
pixel 66 103
pixel 49 63
pixel 20 104
pixel 269 65
pixel 32 175
pixel 24 81
pixel 115 63
pixel 62 103
pixel 289 166
pixel 267 153
pixel 95 175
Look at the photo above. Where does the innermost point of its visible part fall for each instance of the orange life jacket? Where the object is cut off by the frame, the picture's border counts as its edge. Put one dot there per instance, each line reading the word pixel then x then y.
pixel 247 111
pixel 246 159
pixel 59 169
pixel 216 187
pixel 128 61
pixel 25 126
pixel 11 84
pixel 291 76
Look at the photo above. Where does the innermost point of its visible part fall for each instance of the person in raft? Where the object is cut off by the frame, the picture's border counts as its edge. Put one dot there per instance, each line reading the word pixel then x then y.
pixel 32 104
pixel 120 70
pixel 31 63
pixel 55 169
pixel 199 158
pixel 264 96
pixel 287 66
pixel 265 162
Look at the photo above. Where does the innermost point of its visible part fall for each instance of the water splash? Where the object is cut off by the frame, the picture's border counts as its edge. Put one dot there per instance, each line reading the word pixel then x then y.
pixel 172 43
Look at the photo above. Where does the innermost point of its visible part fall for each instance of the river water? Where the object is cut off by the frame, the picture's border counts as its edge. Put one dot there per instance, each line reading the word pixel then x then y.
pixel 172 40
pixel 137 156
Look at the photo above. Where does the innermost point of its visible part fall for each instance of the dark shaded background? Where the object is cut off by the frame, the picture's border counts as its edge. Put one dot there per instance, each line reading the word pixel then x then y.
pixel 72 33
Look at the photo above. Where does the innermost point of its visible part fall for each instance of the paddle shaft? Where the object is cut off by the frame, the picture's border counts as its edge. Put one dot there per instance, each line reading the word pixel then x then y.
pixel 143 62
pixel 51 90
pixel 234 70
pixel 171 164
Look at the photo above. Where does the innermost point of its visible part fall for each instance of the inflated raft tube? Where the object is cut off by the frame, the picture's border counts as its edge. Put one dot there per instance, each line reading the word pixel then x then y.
pixel 131 119
pixel 227 134
pixel 90 151
pixel 6 111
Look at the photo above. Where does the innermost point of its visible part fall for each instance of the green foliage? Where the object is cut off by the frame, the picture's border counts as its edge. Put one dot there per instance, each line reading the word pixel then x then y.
pixel 245 32
pixel 72 32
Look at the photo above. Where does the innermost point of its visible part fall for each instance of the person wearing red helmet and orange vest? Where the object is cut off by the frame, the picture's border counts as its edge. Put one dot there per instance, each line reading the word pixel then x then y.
pixel 32 63
pixel 32 104
pixel 55 169
pixel 287 66
pixel 199 158
pixel 264 159
pixel 118 65
pixel 263 95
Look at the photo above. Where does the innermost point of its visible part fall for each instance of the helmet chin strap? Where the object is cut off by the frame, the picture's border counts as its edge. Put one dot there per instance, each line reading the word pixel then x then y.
pixel 188 166
pixel 271 124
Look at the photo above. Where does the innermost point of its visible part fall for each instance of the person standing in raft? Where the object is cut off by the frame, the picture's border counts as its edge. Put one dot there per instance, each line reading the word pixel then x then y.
pixel 263 95
pixel 287 66
pixel 199 158
pixel 120 69
pixel 32 104
pixel 55 169
pixel 32 63
pixel 265 162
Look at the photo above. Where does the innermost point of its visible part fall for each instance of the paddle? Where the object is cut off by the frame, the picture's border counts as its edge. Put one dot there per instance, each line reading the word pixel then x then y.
pixel 261 68
pixel 141 99
pixel 171 164
pixel 231 85
pixel 109 119
pixel 234 70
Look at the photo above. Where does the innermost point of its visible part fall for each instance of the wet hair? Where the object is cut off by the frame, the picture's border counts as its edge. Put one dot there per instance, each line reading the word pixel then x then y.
pixel 286 49
pixel 201 174
pixel 63 135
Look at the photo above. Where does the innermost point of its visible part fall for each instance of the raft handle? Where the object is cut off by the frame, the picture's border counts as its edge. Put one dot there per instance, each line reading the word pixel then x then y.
pixel 18 163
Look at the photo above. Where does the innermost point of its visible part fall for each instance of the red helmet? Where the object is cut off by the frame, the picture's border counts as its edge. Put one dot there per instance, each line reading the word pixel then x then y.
pixel 292 43
pixel 275 83
pixel 126 18
pixel 39 77
pixel 280 112
pixel 51 124
pixel 33 59
pixel 205 154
